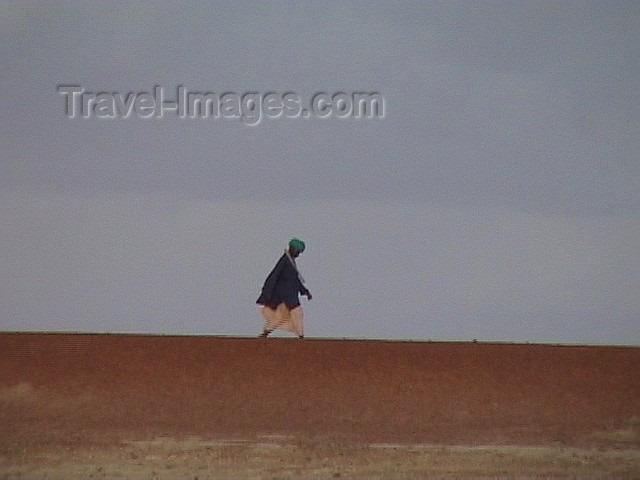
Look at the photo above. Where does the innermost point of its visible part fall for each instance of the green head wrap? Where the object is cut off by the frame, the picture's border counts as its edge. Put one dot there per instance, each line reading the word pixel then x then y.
pixel 297 244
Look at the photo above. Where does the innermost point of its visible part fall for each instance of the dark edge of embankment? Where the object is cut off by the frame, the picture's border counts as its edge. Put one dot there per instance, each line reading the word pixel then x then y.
pixel 313 339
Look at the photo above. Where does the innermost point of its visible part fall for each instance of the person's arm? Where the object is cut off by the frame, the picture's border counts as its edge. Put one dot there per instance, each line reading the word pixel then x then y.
pixel 305 291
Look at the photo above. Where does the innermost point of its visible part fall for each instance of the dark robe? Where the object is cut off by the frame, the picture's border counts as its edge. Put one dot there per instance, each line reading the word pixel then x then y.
pixel 282 285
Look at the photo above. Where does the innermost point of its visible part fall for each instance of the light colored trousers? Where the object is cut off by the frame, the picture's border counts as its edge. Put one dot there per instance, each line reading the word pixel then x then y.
pixel 282 317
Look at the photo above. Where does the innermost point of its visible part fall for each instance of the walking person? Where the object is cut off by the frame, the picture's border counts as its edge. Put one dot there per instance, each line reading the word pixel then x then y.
pixel 279 298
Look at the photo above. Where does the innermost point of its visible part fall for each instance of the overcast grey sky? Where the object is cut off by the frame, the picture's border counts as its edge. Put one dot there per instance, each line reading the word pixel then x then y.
pixel 497 199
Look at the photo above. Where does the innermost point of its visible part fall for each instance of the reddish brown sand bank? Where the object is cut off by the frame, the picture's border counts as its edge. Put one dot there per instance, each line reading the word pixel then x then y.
pixel 98 390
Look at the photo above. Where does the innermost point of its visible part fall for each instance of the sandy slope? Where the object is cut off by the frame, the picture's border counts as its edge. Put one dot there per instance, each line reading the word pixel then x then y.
pixel 96 391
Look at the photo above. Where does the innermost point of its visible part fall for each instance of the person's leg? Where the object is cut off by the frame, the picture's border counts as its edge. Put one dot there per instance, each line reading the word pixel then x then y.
pixel 297 321
pixel 270 320
pixel 279 317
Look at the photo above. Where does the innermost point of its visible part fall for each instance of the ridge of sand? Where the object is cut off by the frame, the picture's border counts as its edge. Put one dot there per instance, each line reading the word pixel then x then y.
pixel 89 391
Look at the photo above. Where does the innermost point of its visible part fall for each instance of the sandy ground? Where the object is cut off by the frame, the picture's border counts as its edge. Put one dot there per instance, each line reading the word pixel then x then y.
pixel 83 406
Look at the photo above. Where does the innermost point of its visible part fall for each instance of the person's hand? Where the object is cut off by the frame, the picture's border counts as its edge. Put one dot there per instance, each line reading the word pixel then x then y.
pixel 309 297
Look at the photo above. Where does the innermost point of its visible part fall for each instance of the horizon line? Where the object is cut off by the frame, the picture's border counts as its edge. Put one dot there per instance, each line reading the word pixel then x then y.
pixel 312 339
